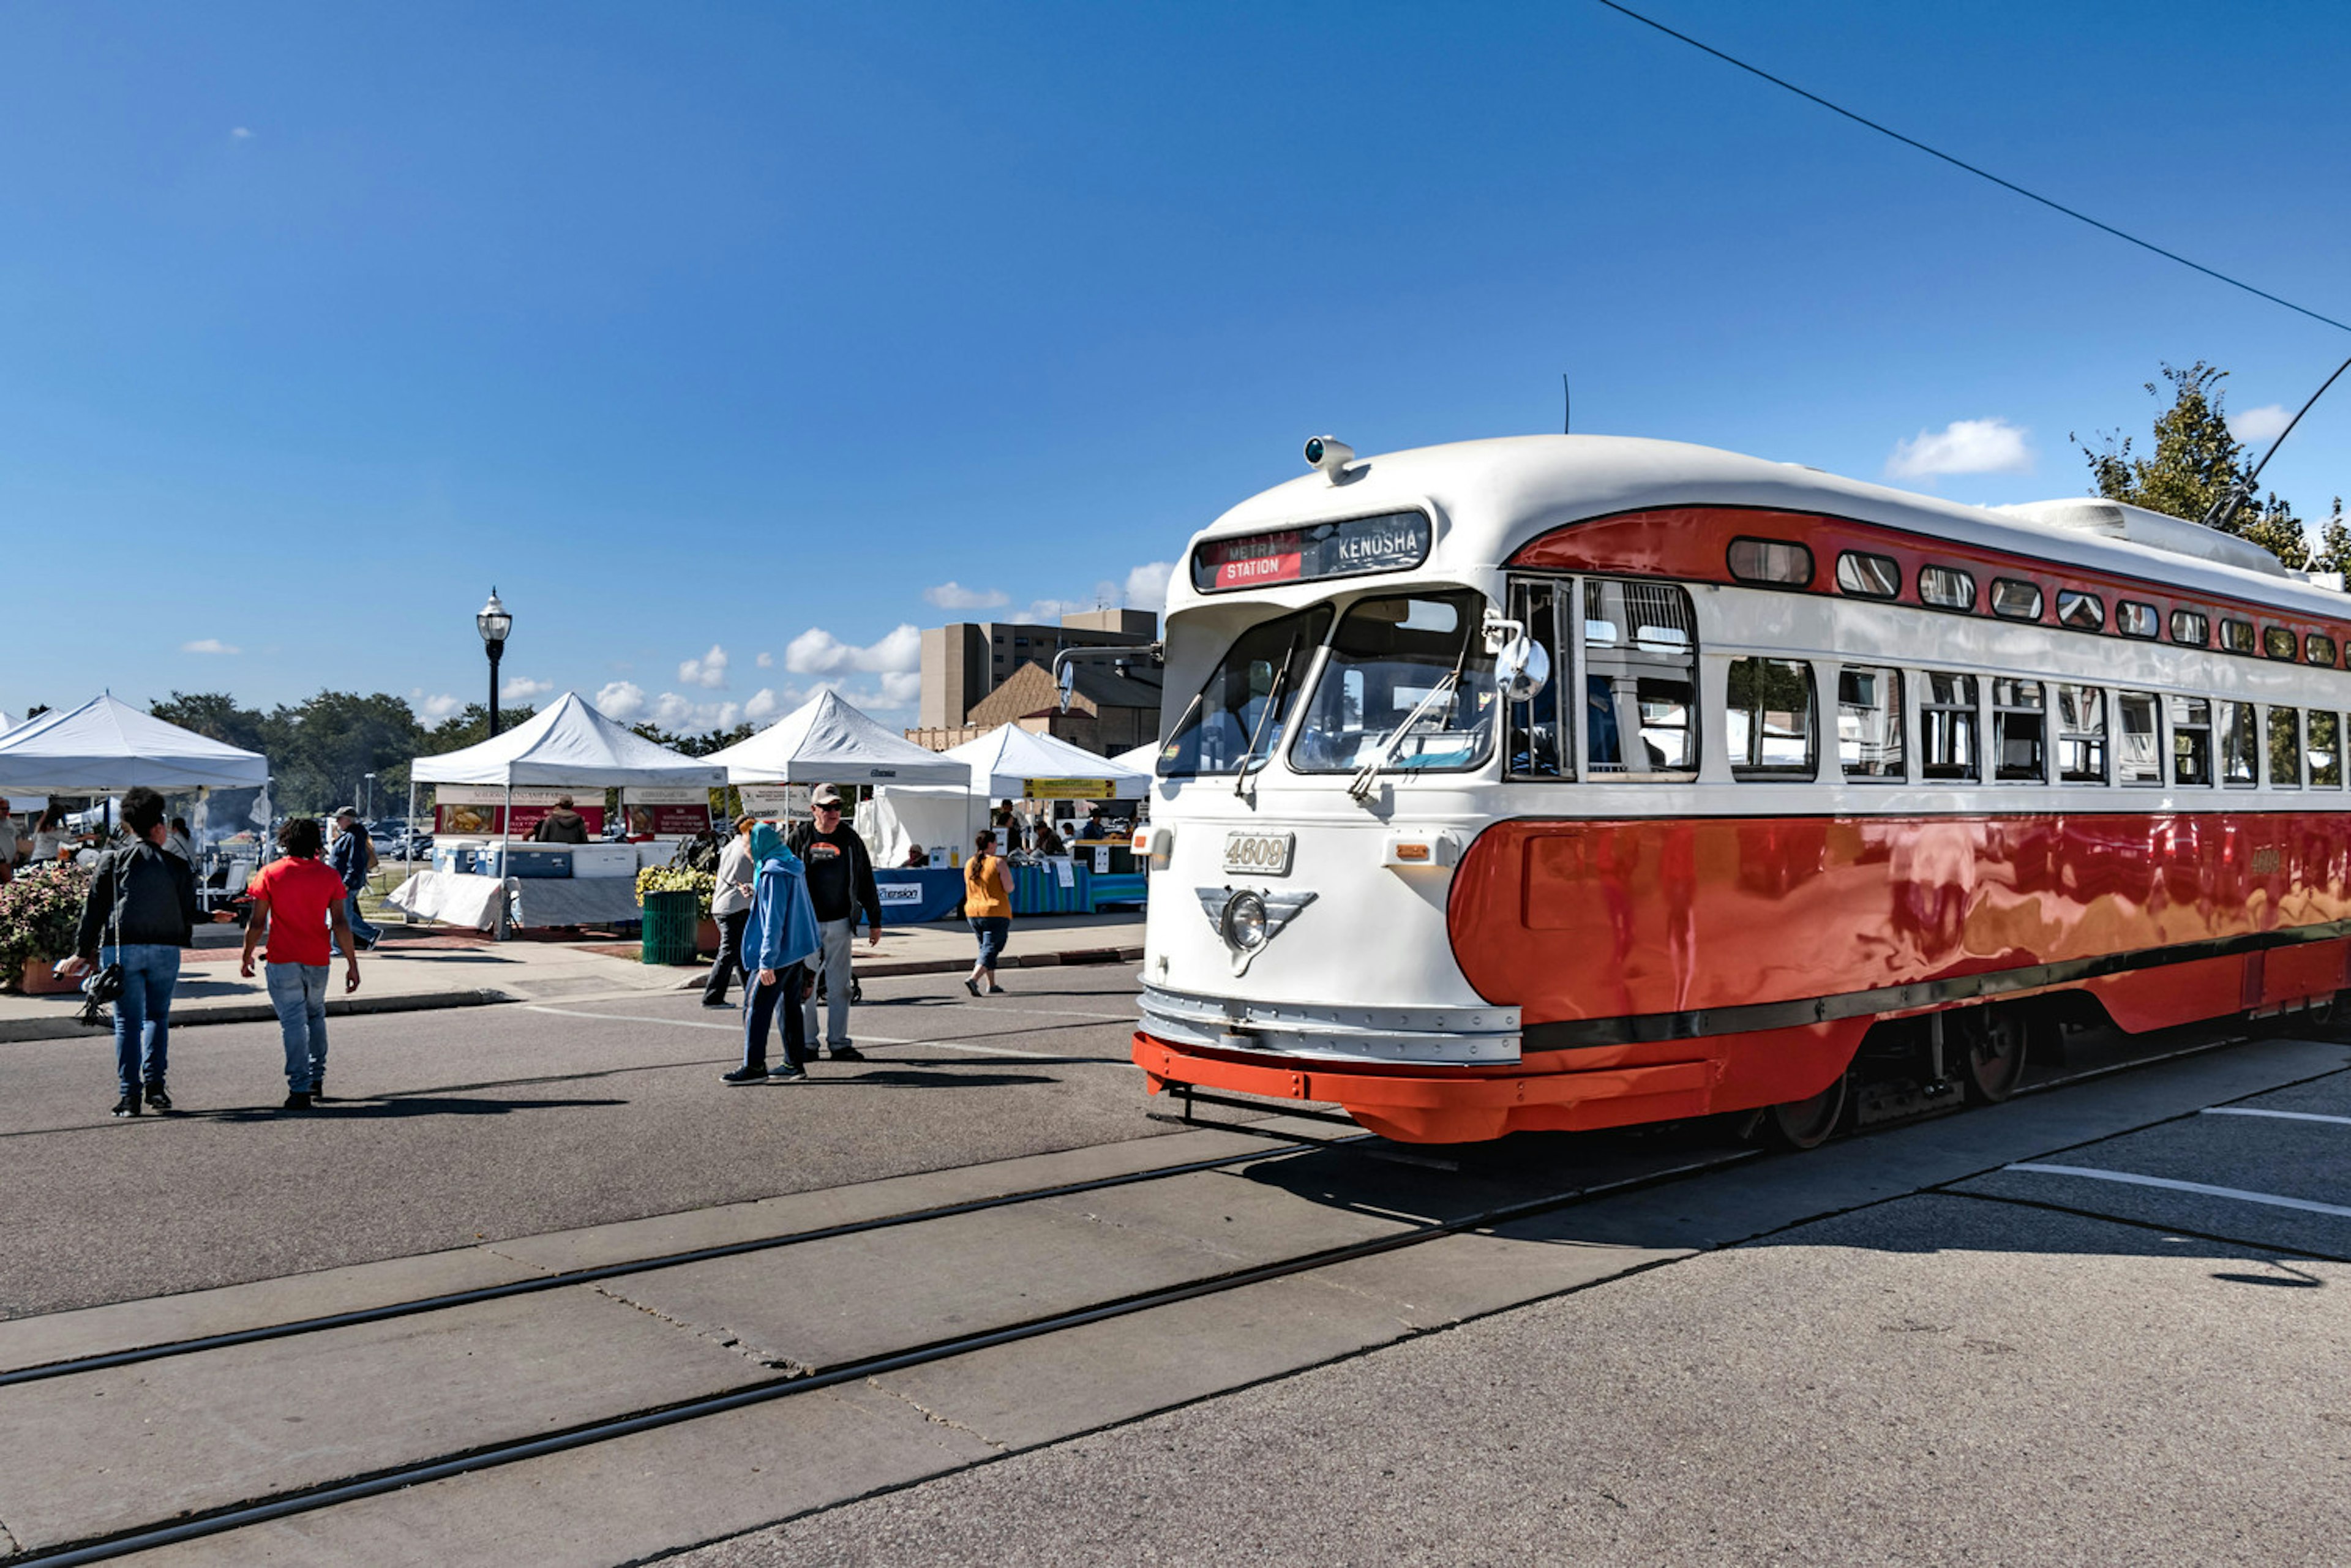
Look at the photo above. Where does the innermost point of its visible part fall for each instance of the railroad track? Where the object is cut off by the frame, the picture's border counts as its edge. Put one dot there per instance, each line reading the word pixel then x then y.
pixel 1478 1208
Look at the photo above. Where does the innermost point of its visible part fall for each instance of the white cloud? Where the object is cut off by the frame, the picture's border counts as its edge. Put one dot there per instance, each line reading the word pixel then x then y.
pixel 816 651
pixel 208 645
pixel 2266 423
pixel 956 596
pixel 708 672
pixel 1963 447
pixel 765 661
pixel 433 709
pixel 1048 612
pixel 684 715
pixel 764 705
pixel 1147 585
pixel 621 700
pixel 523 689
pixel 239 133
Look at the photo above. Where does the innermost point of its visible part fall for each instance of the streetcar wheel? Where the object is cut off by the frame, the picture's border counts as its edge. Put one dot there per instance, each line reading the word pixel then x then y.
pixel 1995 1062
pixel 1803 1124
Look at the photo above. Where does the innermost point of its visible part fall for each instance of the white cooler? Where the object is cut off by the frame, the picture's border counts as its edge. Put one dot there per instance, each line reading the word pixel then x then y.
pixel 604 859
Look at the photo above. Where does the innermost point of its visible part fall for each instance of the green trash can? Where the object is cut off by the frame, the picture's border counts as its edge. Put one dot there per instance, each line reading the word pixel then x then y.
pixel 671 919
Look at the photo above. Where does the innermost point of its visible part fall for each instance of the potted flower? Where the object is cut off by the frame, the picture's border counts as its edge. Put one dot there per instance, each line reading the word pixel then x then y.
pixel 39 912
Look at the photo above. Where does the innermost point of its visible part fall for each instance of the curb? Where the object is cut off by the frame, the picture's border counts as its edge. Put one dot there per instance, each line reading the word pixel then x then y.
pixel 14 1031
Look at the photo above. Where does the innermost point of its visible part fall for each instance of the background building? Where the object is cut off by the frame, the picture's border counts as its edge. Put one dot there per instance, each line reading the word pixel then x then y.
pixel 964 663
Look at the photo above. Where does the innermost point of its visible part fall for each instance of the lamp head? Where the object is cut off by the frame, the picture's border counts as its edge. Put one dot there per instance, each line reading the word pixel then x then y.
pixel 494 621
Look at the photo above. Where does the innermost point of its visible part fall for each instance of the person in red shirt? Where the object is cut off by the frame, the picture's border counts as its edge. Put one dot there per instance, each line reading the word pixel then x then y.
pixel 295 901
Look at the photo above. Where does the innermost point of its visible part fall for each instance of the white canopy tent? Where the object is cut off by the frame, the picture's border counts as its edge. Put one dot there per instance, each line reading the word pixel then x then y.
pixel 1004 763
pixel 826 741
pixel 1142 762
pixel 570 744
pixel 1008 759
pixel 105 746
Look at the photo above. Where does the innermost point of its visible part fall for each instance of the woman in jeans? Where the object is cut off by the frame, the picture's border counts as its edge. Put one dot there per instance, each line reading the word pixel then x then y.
pixel 730 906
pixel 988 908
pixel 780 934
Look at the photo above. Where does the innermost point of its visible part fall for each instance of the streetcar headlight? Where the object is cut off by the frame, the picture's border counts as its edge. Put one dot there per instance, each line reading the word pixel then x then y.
pixel 1245 923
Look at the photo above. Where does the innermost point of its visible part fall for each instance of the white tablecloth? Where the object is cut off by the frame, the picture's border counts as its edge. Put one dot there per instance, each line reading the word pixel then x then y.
pixel 458 899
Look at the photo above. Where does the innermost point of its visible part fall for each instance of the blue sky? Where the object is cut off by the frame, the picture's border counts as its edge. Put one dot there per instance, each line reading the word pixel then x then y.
pixel 769 330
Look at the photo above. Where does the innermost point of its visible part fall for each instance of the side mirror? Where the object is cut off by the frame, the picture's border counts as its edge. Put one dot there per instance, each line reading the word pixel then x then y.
pixel 1522 668
pixel 1069 681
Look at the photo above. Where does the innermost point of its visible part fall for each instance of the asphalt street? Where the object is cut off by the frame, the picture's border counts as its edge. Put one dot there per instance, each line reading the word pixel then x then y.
pixel 446 1128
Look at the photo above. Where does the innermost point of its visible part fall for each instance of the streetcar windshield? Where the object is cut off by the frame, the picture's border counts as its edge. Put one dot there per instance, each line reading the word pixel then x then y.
pixel 1417 660
pixel 1241 712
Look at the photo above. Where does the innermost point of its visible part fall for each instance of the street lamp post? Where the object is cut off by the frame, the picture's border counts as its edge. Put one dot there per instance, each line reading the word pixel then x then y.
pixel 367 812
pixel 494 623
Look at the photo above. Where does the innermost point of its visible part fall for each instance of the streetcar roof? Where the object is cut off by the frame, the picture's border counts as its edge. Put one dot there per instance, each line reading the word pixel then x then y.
pixel 1492 496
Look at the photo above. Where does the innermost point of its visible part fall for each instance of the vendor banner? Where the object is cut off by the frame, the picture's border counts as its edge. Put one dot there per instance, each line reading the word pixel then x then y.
pixel 475 809
pixel 775 800
pixel 1067 789
pixel 665 811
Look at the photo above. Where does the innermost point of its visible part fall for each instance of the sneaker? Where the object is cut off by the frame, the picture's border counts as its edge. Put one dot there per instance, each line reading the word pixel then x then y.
pixel 298 1101
pixel 745 1075
pixel 319 1092
pixel 157 1098
pixel 789 1073
pixel 720 1002
pixel 971 985
pixel 996 990
pixel 847 1054
pixel 127 1106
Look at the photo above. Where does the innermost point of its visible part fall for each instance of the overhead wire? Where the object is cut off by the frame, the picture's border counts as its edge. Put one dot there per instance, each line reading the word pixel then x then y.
pixel 1962 163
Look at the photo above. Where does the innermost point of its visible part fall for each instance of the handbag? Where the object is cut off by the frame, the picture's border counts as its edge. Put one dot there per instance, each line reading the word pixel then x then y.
pixel 105 983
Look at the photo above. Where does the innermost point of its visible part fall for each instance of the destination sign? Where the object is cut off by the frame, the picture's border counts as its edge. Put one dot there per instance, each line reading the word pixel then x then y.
pixel 1389 543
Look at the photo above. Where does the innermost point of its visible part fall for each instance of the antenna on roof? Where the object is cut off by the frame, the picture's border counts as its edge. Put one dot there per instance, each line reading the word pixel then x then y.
pixel 1566 404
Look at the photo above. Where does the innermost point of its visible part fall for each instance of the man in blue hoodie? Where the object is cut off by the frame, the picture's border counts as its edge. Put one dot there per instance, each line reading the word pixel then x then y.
pixel 779 936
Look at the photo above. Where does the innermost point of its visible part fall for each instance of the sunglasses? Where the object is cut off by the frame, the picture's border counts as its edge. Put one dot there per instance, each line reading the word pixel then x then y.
pixel 828 806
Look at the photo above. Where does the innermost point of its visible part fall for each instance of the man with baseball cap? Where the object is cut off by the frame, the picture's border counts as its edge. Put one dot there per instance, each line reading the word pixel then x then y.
pixel 840 883
pixel 351 858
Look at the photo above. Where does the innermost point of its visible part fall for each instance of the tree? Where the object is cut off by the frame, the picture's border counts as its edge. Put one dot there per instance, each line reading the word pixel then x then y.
pixel 215 715
pixel 470 727
pixel 2196 463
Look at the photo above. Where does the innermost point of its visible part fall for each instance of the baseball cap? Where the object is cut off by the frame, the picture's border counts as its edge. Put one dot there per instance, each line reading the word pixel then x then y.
pixel 826 795
pixel 347 810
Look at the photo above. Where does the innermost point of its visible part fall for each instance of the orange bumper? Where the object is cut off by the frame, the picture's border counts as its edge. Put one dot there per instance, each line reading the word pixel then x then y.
pixel 1465 1107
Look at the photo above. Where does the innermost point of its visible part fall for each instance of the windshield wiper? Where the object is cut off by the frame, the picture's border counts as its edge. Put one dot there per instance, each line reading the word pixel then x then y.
pixel 1264 718
pixel 1360 786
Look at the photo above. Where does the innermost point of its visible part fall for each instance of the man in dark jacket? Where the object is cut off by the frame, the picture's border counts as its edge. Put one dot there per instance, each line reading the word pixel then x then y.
pixel 140 912
pixel 840 884
pixel 561 826
pixel 352 857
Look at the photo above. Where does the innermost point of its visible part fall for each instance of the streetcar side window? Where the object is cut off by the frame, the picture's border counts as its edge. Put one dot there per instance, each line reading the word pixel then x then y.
pixel 2277 643
pixel 1946 588
pixel 2080 734
pixel 2191 741
pixel 2132 618
pixel 2138 739
pixel 1870 576
pixel 2189 627
pixel 1767 721
pixel 2082 612
pixel 1770 560
pixel 2020 731
pixel 2240 744
pixel 2016 600
pixel 2318 649
pixel 2326 751
pixel 1538 733
pixel 1947 726
pixel 1640 679
pixel 2237 636
pixel 1869 722
pixel 2285 749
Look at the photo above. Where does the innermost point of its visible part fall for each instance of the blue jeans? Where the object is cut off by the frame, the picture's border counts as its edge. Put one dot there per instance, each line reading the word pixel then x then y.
pixel 361 932
pixel 994 931
pixel 142 1014
pixel 759 1010
pixel 298 992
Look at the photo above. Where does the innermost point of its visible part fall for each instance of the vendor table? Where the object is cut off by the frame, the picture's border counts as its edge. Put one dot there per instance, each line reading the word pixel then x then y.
pixel 457 898
pixel 913 895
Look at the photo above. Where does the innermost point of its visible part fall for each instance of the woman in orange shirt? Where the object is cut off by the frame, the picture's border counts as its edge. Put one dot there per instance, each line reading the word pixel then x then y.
pixel 988 908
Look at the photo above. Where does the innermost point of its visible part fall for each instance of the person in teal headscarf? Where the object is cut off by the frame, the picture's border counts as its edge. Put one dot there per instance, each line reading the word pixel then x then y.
pixel 780 935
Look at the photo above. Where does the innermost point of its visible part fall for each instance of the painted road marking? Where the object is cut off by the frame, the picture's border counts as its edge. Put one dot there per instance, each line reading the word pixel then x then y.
pixel 2200 1188
pixel 2280 1116
pixel 737 1029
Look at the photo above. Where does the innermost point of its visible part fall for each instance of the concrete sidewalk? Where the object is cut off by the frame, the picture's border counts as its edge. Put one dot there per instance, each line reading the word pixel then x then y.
pixel 424 966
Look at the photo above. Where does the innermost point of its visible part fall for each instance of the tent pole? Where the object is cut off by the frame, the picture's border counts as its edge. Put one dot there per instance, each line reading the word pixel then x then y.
pixel 408 848
pixel 505 837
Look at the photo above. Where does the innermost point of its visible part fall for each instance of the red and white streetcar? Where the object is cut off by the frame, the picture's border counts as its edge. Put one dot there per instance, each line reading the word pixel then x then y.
pixel 1575 781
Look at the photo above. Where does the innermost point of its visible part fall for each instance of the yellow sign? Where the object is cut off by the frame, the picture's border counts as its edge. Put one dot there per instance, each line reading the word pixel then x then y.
pixel 1066 789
